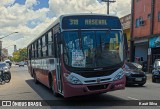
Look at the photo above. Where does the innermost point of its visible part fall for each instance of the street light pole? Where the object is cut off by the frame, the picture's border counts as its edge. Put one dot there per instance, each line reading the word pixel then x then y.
pixel 1 44
pixel 8 35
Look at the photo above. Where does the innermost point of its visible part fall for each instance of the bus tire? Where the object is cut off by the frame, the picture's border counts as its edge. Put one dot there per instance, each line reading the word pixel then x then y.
pixel 52 88
pixel 35 78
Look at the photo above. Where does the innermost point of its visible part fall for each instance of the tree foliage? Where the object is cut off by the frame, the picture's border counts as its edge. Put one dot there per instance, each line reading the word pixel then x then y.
pixel 20 55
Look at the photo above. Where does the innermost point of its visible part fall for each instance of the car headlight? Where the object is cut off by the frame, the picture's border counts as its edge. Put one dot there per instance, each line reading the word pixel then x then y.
pixel 127 73
pixel 119 75
pixel 156 73
pixel 72 79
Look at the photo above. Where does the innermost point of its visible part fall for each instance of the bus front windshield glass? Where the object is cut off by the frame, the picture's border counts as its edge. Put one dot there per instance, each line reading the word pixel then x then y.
pixel 93 49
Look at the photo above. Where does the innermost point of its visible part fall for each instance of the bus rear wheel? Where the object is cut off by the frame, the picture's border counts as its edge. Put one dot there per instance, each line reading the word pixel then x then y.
pixel 35 78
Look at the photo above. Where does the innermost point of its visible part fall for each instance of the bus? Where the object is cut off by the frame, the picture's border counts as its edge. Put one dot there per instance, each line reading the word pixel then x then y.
pixel 79 54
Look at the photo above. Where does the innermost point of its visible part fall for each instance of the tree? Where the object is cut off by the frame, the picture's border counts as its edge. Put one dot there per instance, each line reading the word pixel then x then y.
pixel 20 55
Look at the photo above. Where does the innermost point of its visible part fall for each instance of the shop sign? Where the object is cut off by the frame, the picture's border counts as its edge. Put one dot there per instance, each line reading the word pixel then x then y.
pixel 154 42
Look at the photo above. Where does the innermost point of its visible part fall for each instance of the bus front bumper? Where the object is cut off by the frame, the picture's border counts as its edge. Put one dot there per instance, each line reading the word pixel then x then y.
pixel 78 90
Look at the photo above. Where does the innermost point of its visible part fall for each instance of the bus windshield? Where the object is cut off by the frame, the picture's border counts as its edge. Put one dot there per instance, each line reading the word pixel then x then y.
pixel 93 49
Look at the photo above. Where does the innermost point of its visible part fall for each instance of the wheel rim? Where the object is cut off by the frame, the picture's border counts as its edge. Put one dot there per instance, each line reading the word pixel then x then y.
pixel 7 78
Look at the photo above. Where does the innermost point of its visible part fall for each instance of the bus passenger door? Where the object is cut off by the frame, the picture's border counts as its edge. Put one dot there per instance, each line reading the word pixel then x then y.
pixel 58 65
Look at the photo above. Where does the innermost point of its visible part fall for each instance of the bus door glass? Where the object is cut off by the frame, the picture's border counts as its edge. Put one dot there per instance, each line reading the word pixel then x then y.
pixel 58 65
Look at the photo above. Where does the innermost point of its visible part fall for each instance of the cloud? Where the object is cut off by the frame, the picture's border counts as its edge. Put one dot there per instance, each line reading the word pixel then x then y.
pixel 6 2
pixel 15 18
pixel 29 23
pixel 75 6
pixel 31 3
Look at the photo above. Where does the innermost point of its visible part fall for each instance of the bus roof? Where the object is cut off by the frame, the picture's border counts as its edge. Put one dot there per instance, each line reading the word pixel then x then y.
pixel 59 19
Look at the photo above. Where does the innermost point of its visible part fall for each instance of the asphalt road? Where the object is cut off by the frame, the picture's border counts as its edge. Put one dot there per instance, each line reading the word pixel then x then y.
pixel 22 87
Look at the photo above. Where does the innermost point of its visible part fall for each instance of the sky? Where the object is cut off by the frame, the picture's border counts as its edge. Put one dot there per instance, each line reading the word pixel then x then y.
pixel 30 17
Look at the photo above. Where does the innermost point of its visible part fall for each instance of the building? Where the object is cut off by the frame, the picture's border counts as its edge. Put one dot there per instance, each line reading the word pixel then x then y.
pixel 145 31
pixel 5 53
pixel 126 24
pixel 15 48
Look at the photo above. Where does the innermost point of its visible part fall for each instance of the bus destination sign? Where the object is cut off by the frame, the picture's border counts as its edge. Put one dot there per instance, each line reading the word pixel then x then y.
pixel 90 22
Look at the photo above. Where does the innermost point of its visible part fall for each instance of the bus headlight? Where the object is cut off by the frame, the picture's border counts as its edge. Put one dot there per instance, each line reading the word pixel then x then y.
pixel 119 76
pixel 72 79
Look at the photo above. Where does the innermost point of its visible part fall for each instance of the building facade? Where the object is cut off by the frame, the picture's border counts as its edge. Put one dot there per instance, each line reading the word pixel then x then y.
pixel 126 24
pixel 4 53
pixel 145 31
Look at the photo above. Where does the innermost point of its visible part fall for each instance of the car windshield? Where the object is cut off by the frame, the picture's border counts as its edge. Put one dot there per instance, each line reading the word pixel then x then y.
pixel 131 66
pixel 93 49
pixel 2 65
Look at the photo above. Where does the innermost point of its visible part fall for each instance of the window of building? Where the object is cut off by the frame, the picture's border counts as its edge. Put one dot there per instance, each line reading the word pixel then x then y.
pixel 158 16
pixel 138 22
pixel 149 16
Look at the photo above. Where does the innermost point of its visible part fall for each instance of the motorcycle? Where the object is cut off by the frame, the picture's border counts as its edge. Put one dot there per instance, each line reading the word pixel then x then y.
pixel 4 77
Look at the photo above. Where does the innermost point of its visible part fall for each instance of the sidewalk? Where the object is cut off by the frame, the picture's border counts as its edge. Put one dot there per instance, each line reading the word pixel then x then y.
pixel 149 76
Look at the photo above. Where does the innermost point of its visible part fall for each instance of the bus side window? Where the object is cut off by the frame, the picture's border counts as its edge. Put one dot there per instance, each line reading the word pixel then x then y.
pixel 50 43
pixel 39 48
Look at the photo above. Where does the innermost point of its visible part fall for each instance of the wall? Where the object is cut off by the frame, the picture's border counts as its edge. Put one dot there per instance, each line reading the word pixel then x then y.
pixel 156 29
pixel 142 9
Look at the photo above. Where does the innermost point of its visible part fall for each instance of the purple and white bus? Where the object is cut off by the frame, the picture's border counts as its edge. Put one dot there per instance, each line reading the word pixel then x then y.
pixel 79 54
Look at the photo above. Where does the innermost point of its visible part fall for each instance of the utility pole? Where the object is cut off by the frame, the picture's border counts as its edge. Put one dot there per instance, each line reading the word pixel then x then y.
pixel 108 2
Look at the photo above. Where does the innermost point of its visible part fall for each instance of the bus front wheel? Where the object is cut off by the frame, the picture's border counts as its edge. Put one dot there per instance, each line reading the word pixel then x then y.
pixel 53 91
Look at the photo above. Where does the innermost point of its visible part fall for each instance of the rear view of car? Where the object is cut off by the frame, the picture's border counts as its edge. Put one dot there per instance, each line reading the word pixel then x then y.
pixel 9 62
pixel 156 71
pixel 134 74
pixel 21 64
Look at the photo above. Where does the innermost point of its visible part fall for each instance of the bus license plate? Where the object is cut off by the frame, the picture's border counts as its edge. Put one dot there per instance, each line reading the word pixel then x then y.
pixel 138 79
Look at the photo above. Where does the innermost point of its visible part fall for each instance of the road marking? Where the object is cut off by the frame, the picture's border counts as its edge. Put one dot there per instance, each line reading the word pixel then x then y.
pixel 132 98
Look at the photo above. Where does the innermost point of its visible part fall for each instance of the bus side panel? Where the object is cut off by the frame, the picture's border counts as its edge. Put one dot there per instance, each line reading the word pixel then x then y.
pixel 45 77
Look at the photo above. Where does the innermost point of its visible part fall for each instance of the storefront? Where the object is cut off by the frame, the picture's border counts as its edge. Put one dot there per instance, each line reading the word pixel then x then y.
pixel 141 49
pixel 154 46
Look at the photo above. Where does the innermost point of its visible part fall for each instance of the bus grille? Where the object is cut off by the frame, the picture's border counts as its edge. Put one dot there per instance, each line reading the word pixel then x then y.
pixel 97 87
pixel 137 75
pixel 96 74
